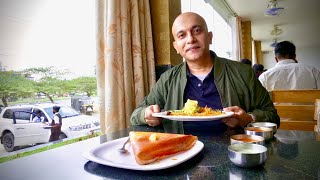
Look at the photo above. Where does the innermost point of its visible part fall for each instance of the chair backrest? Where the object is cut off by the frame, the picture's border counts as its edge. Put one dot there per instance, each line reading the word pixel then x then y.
pixel 317 115
pixel 295 96
pixel 296 108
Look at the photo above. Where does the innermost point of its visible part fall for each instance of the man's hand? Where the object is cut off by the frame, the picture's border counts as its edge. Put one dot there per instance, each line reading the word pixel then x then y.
pixel 239 118
pixel 150 120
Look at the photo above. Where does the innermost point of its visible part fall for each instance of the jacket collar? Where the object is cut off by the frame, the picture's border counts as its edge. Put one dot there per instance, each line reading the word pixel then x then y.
pixel 186 71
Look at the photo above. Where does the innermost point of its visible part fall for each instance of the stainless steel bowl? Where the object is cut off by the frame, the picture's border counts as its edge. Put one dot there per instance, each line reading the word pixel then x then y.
pixel 245 138
pixel 273 126
pixel 247 155
pixel 265 132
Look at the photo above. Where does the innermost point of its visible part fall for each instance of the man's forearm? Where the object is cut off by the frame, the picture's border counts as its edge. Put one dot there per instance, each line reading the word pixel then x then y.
pixel 137 117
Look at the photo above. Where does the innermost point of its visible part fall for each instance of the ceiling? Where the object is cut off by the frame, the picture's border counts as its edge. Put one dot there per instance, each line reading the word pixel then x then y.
pixel 299 21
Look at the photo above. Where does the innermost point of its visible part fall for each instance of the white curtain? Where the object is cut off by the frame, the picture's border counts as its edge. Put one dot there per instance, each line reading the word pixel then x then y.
pixel 236 37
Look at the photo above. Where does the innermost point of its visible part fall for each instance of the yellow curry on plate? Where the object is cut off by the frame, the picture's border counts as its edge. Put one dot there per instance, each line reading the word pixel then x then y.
pixel 191 108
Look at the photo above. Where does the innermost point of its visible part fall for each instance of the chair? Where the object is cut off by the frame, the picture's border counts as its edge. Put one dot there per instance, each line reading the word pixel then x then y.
pixel 296 108
pixel 317 115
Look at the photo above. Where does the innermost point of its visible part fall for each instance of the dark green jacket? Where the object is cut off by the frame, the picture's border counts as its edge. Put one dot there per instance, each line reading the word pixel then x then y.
pixel 236 83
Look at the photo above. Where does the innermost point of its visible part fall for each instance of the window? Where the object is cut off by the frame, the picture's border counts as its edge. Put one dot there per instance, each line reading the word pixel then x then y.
pixel 64 111
pixel 48 33
pixel 21 114
pixel 222 34
pixel 35 110
pixel 1 108
pixel 42 34
pixel 8 114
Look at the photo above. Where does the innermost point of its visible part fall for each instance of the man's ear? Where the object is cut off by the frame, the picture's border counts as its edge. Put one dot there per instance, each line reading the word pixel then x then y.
pixel 175 46
pixel 277 60
pixel 210 36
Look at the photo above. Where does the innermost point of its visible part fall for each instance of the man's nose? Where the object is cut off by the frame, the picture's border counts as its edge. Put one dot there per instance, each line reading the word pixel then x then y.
pixel 190 38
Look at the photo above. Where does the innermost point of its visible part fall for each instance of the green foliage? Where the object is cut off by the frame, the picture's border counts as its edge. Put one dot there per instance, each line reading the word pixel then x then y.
pixel 49 86
pixel 48 80
pixel 15 85
pixel 87 85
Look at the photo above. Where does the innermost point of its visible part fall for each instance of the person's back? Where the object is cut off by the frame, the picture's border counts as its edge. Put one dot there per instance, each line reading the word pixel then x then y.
pixel 258 69
pixel 288 73
pixel 246 61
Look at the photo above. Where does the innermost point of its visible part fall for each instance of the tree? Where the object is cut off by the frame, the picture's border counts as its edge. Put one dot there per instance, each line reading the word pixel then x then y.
pixel 48 87
pixel 43 73
pixel 87 85
pixel 49 80
pixel 14 85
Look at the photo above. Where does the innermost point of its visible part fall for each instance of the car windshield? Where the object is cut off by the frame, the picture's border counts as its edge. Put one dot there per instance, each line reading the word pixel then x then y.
pixel 64 111
pixel 86 101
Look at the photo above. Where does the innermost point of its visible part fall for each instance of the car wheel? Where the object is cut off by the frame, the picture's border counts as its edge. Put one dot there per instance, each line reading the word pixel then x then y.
pixel 62 136
pixel 8 142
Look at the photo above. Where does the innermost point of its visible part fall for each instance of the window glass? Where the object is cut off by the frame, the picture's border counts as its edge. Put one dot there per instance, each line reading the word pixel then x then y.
pixel 45 47
pixel 49 112
pixel 64 111
pixel 35 110
pixel 21 115
pixel 8 114
pixel 1 108
pixel 222 34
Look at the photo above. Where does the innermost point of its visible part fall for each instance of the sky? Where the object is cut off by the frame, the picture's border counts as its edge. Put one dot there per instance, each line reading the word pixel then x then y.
pixel 42 33
pixel 61 33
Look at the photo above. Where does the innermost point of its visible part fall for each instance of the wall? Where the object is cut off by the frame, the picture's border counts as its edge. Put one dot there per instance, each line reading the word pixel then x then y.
pixel 310 56
pixel 246 43
pixel 163 13
pixel 268 60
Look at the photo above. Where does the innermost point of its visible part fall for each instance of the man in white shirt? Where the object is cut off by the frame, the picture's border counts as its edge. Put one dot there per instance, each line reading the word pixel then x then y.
pixel 288 73
pixel 38 118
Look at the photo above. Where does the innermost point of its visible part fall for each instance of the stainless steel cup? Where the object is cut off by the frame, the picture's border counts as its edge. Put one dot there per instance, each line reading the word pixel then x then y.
pixel 245 138
pixel 267 133
pixel 273 126
pixel 247 155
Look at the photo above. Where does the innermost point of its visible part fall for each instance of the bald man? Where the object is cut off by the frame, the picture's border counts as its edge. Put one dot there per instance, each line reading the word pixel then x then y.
pixel 214 82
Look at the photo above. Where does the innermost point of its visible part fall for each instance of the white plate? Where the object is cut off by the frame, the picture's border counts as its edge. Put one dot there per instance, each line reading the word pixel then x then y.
pixel 107 154
pixel 192 118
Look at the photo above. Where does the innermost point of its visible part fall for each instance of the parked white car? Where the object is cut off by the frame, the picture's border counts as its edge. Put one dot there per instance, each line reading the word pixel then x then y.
pixel 17 128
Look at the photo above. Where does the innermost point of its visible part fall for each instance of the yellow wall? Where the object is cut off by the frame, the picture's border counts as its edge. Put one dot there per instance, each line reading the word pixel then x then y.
pixel 246 45
pixel 258 52
pixel 163 13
